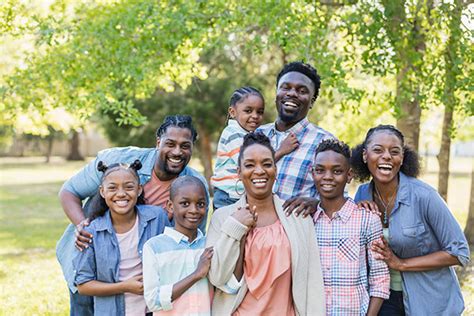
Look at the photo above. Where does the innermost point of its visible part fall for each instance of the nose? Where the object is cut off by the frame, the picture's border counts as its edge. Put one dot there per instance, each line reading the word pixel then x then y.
pixel 259 169
pixel 176 150
pixel 327 175
pixel 386 155
pixel 291 92
pixel 120 192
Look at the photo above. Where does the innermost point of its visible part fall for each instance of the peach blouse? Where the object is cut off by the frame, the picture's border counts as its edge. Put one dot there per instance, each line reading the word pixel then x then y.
pixel 267 271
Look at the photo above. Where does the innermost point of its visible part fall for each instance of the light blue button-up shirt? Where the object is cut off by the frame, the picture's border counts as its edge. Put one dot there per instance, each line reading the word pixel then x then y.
pixel 101 260
pixel 421 223
pixel 86 182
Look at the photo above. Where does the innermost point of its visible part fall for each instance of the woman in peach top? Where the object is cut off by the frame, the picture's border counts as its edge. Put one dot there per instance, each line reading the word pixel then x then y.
pixel 264 262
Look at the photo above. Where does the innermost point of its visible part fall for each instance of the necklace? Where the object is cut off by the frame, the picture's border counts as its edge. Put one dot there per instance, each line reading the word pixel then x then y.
pixel 386 205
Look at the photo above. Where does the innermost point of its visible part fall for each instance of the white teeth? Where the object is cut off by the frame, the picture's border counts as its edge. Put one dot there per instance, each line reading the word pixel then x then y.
pixel 121 203
pixel 259 180
pixel 289 103
pixel 174 160
pixel 387 166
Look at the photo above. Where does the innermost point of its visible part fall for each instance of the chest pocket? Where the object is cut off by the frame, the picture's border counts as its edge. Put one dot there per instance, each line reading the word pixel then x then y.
pixel 413 231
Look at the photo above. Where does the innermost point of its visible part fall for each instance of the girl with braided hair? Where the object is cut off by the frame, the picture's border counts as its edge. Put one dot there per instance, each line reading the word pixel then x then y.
pixel 422 240
pixel 110 267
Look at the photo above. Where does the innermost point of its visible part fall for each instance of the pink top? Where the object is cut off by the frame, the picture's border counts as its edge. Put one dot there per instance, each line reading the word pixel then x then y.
pixel 267 271
pixel 157 192
pixel 131 266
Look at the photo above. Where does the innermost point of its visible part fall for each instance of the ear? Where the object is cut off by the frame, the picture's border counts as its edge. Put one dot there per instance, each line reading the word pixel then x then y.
pixel 169 209
pixel 364 155
pixel 158 141
pixel 238 171
pixel 140 189
pixel 101 191
pixel 350 175
pixel 231 111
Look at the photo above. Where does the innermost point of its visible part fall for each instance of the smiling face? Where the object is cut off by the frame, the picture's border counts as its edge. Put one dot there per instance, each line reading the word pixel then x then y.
pixel 331 172
pixel 175 147
pixel 248 112
pixel 120 190
pixel 257 171
pixel 188 207
pixel 384 156
pixel 295 93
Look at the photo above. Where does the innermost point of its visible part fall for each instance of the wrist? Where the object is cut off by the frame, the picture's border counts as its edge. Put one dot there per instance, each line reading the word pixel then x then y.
pixel 196 276
pixel 401 265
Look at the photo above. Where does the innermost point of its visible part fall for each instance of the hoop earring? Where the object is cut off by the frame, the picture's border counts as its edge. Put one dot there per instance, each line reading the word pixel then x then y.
pixel 237 189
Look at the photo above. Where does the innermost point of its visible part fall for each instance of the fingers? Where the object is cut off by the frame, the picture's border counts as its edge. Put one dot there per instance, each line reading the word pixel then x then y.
pixel 84 234
pixel 80 245
pixel 288 202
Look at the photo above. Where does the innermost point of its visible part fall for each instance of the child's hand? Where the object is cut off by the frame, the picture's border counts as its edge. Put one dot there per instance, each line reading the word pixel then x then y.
pixel 134 285
pixel 246 216
pixel 204 263
pixel 289 144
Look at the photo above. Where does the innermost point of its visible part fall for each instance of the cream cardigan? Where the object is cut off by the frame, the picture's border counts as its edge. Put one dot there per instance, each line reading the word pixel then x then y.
pixel 225 233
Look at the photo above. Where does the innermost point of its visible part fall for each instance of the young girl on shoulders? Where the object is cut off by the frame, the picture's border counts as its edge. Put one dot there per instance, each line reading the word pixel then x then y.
pixel 110 268
pixel 245 115
pixel 175 263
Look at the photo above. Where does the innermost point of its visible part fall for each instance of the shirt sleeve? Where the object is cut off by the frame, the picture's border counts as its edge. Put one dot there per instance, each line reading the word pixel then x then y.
pixel 86 182
pixel 446 228
pixel 85 268
pixel 157 296
pixel 379 276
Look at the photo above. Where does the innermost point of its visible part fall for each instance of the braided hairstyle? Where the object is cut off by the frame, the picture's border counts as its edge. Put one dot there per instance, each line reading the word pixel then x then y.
pixel 97 205
pixel 305 69
pixel 411 161
pixel 252 139
pixel 181 121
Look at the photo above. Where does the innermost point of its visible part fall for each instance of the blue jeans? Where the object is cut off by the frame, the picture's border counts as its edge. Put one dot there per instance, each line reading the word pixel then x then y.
pixel 81 305
pixel 221 199
pixel 394 305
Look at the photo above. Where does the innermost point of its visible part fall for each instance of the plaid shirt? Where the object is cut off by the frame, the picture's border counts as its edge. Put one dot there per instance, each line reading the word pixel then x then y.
pixel 294 169
pixel 344 245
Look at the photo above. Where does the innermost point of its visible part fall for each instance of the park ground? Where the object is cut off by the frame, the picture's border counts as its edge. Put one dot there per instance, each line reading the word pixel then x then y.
pixel 31 222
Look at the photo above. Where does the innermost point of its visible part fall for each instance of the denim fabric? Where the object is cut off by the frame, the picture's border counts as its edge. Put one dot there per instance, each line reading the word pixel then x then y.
pixel 86 182
pixel 81 305
pixel 420 224
pixel 221 199
pixel 393 306
pixel 100 261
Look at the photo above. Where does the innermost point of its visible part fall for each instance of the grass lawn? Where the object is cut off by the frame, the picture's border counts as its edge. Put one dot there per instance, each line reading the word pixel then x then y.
pixel 31 222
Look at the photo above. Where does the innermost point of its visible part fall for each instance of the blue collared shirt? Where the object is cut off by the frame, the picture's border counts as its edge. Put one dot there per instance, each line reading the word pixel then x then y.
pixel 419 224
pixel 294 169
pixel 101 260
pixel 86 182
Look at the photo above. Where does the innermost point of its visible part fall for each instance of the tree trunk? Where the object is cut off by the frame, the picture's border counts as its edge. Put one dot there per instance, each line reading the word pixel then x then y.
pixel 469 230
pixel 206 153
pixel 451 72
pixel 49 147
pixel 409 122
pixel 74 142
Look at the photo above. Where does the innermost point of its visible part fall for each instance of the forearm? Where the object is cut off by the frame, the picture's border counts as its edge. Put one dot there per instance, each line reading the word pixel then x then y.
pixel 72 206
pixel 182 286
pixel 98 288
pixel 375 304
pixel 433 261
pixel 278 155
pixel 239 266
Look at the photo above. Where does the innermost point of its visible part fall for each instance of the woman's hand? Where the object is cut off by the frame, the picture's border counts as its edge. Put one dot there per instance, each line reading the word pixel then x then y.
pixel 134 285
pixel 385 253
pixel 83 237
pixel 370 206
pixel 246 216
pixel 204 263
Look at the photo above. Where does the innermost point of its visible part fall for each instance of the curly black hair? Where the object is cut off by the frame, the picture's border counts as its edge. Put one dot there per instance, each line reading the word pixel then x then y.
pixel 181 121
pixel 97 205
pixel 335 145
pixel 411 160
pixel 252 139
pixel 305 69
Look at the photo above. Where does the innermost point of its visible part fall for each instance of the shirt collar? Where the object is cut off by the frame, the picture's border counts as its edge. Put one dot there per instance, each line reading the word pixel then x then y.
pixel 104 222
pixel 234 124
pixel 145 214
pixel 344 213
pixel 178 237
pixel 296 129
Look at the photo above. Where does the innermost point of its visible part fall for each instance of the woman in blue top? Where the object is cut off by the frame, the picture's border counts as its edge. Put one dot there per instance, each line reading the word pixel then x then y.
pixel 110 268
pixel 423 239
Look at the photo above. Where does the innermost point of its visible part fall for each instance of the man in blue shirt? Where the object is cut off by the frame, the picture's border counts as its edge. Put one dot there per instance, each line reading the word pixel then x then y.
pixel 161 165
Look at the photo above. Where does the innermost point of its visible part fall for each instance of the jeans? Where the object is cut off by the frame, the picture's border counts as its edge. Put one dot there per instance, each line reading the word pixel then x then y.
pixel 394 305
pixel 81 305
pixel 221 199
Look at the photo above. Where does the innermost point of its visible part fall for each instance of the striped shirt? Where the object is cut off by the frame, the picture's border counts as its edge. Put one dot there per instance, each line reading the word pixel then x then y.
pixel 167 259
pixel 294 169
pixel 225 171
pixel 344 245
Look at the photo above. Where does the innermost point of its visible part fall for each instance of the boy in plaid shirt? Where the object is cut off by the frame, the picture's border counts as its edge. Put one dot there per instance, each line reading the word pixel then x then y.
pixel 355 282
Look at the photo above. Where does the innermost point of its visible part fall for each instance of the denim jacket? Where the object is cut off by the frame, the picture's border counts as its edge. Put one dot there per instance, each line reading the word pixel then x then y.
pixel 86 182
pixel 419 224
pixel 100 261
